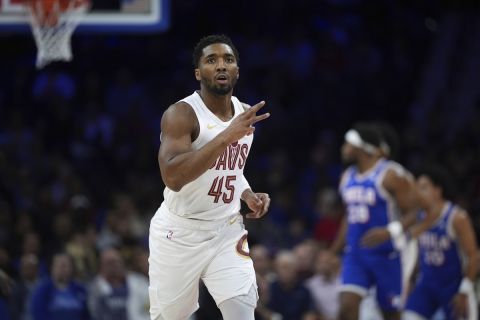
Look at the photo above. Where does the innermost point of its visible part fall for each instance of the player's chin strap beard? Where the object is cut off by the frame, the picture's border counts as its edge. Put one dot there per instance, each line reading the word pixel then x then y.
pixel 353 137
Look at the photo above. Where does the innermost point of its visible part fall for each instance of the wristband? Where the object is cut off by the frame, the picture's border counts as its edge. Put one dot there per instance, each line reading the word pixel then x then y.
pixel 408 234
pixel 395 229
pixel 276 316
pixel 466 286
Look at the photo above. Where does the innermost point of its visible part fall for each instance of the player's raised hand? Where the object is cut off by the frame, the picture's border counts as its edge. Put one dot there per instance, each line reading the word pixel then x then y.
pixel 243 124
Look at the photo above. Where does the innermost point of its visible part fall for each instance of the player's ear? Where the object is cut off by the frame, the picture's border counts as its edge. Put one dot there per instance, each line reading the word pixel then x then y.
pixel 238 73
pixel 197 74
pixel 440 192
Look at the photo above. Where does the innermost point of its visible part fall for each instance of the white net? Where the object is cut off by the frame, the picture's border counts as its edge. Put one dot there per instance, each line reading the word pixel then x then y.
pixel 53 26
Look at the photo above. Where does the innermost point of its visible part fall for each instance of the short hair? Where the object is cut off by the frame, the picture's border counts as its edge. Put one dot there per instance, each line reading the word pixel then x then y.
pixel 369 133
pixel 390 138
pixel 211 39
pixel 440 177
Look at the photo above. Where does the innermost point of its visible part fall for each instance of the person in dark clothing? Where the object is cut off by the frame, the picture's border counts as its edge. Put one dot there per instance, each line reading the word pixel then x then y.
pixel 288 296
pixel 23 287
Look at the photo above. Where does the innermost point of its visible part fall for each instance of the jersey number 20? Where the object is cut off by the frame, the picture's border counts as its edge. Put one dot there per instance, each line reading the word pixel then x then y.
pixel 217 189
pixel 358 213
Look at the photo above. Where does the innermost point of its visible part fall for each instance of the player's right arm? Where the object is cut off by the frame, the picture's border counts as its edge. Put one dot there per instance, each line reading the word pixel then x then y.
pixel 339 242
pixel 340 239
pixel 179 163
pixel 468 243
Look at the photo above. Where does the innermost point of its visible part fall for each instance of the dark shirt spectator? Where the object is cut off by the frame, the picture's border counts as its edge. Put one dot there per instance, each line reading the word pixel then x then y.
pixel 23 287
pixel 288 296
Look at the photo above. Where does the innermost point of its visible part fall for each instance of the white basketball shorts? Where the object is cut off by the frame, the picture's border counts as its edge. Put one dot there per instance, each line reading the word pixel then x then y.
pixel 183 251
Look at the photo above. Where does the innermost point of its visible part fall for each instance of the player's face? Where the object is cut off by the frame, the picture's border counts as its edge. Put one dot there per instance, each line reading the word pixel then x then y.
pixel 217 69
pixel 427 192
pixel 349 154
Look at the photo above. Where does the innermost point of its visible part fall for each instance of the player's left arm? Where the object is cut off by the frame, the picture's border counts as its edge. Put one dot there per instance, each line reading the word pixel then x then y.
pixel 258 202
pixel 400 184
pixel 466 238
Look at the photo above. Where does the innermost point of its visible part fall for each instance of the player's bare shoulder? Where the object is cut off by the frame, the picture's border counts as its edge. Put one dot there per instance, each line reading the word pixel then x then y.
pixel 461 217
pixel 396 176
pixel 396 169
pixel 179 118
pixel 462 227
pixel 178 112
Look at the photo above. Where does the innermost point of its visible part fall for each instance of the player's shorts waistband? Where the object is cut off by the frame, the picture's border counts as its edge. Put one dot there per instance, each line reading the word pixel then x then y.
pixel 194 224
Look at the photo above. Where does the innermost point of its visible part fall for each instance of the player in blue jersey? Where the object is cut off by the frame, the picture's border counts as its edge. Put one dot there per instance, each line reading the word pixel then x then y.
pixel 377 192
pixel 447 247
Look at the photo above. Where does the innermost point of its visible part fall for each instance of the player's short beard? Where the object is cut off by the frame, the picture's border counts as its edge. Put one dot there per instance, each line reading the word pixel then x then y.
pixel 349 161
pixel 219 90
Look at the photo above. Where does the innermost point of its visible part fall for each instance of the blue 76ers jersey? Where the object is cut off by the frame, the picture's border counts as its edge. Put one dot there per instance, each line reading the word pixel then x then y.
pixel 368 205
pixel 440 259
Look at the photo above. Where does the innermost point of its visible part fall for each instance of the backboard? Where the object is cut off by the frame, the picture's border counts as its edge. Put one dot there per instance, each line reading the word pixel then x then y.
pixel 105 16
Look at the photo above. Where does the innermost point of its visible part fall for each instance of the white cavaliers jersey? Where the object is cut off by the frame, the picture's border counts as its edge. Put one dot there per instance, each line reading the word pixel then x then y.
pixel 216 193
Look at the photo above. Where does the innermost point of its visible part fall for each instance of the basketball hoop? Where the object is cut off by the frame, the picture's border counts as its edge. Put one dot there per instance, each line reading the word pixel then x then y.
pixel 53 23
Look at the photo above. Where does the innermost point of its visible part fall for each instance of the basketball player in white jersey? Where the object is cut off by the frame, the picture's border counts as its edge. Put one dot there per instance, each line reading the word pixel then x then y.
pixel 197 233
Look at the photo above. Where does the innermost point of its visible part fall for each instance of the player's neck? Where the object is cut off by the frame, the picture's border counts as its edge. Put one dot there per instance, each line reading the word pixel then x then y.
pixel 436 208
pixel 366 164
pixel 220 105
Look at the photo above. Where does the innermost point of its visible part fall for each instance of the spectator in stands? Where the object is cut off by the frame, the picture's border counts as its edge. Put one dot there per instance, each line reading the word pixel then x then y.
pixel 23 287
pixel 262 262
pixel 59 297
pixel 5 289
pixel 116 294
pixel 324 286
pixel 305 253
pixel 287 295
pixel 81 248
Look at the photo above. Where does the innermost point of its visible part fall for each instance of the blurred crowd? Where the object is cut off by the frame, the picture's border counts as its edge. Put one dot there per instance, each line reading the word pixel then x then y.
pixel 79 179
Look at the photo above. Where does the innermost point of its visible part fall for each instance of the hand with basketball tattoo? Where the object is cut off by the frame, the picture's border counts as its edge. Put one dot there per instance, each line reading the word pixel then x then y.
pixel 257 202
